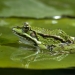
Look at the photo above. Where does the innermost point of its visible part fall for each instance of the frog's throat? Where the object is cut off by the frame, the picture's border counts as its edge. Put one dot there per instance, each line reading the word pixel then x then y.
pixel 28 37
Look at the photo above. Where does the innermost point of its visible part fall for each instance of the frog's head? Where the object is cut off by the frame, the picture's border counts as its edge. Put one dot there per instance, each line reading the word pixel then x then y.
pixel 20 30
pixel 24 33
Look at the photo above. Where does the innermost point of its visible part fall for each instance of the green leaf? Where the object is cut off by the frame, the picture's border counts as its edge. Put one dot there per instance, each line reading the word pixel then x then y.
pixel 15 54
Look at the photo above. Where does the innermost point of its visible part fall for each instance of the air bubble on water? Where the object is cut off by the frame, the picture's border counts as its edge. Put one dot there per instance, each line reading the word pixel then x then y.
pixel 54 22
pixel 56 17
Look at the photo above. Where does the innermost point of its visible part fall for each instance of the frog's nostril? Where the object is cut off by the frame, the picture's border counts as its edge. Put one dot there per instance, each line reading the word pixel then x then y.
pixel 14 28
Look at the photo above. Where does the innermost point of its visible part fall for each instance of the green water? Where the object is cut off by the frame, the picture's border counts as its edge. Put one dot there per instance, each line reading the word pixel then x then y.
pixel 15 54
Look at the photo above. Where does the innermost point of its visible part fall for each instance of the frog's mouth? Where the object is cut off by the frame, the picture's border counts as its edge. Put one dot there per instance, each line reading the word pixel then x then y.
pixel 25 36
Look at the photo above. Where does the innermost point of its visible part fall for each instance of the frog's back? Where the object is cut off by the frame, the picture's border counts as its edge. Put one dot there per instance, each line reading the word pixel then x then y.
pixel 48 31
pixel 57 33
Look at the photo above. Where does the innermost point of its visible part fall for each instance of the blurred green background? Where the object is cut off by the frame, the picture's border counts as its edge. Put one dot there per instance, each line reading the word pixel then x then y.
pixel 11 53
pixel 36 8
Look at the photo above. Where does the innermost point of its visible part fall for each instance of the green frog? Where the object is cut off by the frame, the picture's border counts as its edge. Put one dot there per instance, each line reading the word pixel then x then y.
pixel 53 40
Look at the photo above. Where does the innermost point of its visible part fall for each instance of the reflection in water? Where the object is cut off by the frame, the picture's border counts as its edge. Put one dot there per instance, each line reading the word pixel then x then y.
pixel 27 56
pixel 59 58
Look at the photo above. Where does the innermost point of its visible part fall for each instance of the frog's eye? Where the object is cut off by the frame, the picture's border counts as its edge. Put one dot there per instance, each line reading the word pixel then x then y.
pixel 26 27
